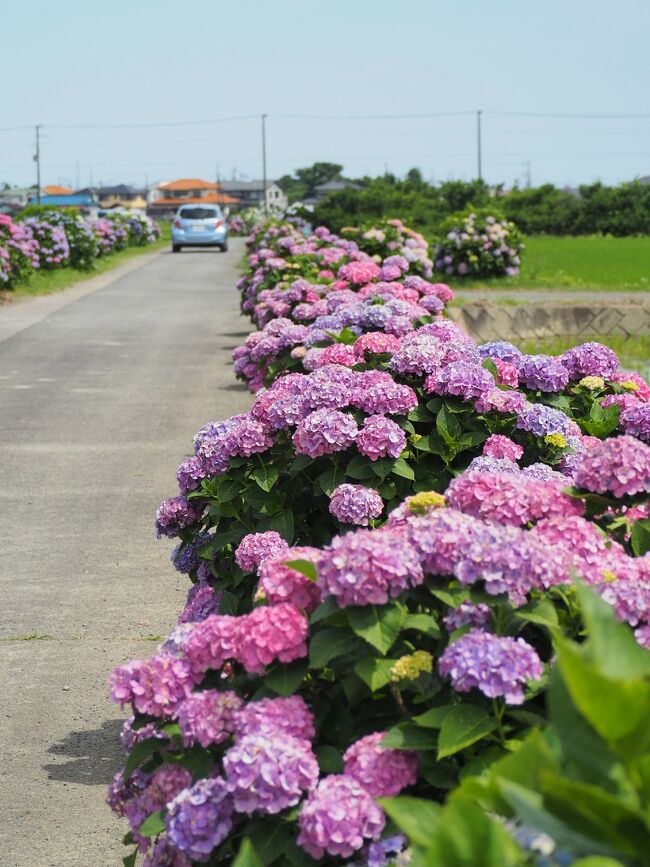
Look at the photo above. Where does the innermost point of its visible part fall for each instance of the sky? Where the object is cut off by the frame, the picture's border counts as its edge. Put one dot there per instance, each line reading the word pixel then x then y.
pixel 139 91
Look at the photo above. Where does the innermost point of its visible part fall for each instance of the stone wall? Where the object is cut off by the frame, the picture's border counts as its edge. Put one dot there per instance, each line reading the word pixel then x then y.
pixel 545 321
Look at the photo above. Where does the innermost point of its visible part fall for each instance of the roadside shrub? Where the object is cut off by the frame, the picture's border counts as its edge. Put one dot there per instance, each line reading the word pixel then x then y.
pixel 381 554
pixel 18 252
pixel 391 237
pixel 478 243
pixel 53 247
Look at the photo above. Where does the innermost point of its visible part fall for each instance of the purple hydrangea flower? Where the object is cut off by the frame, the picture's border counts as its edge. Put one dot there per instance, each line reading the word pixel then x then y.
pixel 419 353
pixel 635 421
pixel 270 716
pixel 501 349
pixel 208 717
pixel 174 514
pixel 368 567
pixel 202 601
pixel 542 373
pixel 542 420
pixel 269 774
pixel 468 614
pixel 590 359
pixel 338 817
pixel 461 379
pixel 496 666
pixel 380 437
pixel 324 432
pixel 200 818
pixel 355 504
pixel 164 854
pixel 185 556
pixel 620 465
pixel 154 686
pixel 281 583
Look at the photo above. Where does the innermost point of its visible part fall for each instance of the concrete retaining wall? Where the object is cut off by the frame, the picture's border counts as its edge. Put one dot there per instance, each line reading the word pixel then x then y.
pixel 544 321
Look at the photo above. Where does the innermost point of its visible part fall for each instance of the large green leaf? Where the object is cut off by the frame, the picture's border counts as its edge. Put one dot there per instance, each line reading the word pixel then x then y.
pixel 375 672
pixel 403 469
pixel 305 567
pixel 379 625
pixel 529 807
pixel 154 824
pixel 465 836
pixel 140 752
pixel 432 718
pixel 285 679
pixel 247 856
pixel 448 426
pixel 330 760
pixel 601 422
pixel 424 623
pixel 640 537
pixel 330 644
pixel 417 817
pixel 407 736
pixel 268 838
pixel 266 476
pixel 282 523
pixel 464 725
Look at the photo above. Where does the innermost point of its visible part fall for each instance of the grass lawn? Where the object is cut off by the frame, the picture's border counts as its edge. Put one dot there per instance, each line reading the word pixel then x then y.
pixel 594 263
pixel 47 282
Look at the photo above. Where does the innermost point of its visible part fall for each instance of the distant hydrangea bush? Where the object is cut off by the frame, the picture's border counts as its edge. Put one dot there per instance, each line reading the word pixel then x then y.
pixel 478 243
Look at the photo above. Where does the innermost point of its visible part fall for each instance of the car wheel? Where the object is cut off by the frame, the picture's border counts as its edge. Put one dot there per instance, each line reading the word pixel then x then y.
pixel 176 248
pixel 224 247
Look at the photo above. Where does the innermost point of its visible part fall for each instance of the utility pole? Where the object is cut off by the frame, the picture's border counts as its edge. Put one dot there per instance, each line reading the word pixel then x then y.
pixel 266 207
pixel 478 143
pixel 37 160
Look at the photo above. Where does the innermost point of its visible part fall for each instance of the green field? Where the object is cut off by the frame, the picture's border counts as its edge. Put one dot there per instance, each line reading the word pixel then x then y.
pixel 47 282
pixel 596 263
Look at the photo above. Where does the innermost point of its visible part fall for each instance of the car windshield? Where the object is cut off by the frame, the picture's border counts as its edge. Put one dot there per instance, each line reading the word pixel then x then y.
pixel 198 214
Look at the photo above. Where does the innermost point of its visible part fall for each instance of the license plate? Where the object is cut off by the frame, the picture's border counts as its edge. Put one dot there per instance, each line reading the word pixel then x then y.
pixel 198 228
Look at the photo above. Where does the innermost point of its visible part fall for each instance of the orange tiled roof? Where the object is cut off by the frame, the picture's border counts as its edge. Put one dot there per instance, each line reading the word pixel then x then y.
pixel 188 184
pixel 54 190
pixel 210 199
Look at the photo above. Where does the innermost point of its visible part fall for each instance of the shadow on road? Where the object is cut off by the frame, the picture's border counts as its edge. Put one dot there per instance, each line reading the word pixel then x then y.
pixel 94 755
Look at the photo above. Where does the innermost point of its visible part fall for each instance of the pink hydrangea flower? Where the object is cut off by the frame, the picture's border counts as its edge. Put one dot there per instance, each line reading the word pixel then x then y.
pixel 620 465
pixel 381 771
pixel 281 583
pixel 257 547
pixel 269 633
pixel 324 432
pixel 154 686
pixel 272 715
pixel 498 446
pixel 208 717
pixel 338 817
pixel 355 504
pixel 380 437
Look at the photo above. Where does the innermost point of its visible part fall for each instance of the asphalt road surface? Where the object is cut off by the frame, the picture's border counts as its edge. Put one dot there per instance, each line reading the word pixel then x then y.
pixel 100 395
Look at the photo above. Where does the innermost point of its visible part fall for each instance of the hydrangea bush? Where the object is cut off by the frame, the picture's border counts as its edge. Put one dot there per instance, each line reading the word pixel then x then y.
pixel 478 243
pixel 45 238
pixel 392 237
pixel 380 552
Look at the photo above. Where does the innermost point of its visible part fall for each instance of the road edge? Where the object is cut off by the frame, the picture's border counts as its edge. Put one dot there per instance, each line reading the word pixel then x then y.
pixel 20 315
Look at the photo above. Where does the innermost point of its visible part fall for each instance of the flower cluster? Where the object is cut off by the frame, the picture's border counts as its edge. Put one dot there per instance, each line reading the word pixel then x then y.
pixel 478 243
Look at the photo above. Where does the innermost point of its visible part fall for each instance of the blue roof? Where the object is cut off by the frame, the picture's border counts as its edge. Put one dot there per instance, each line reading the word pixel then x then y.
pixel 75 200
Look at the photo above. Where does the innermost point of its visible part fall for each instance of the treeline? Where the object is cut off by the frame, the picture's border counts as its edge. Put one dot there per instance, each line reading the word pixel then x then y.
pixel 588 210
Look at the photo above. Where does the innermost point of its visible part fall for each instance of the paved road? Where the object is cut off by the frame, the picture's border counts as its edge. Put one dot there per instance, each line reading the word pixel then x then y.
pixel 98 404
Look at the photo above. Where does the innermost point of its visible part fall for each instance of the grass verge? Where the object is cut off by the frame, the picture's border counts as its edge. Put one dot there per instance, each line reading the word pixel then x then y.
pixel 594 263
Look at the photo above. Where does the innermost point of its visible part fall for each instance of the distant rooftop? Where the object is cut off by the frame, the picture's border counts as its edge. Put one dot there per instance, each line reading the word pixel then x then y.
pixel 209 199
pixel 188 184
pixel 244 186
pixel 54 190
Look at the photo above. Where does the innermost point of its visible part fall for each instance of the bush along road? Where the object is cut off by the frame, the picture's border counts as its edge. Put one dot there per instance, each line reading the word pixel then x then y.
pixel 385 556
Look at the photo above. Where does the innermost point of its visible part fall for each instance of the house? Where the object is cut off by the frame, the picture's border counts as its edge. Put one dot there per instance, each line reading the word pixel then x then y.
pixel 83 200
pixel 121 196
pixel 251 194
pixel 14 199
pixel 166 197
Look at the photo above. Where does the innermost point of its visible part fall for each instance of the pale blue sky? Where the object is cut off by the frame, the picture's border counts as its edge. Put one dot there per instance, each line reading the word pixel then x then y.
pixel 146 61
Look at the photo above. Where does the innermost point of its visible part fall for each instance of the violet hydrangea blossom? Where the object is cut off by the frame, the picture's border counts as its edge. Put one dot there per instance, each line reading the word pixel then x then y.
pixel 497 666
pixel 620 466
pixel 338 817
pixel 200 818
pixel 324 432
pixel 208 717
pixel 268 774
pixel 269 716
pixel 355 504
pixel 257 547
pixel 380 437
